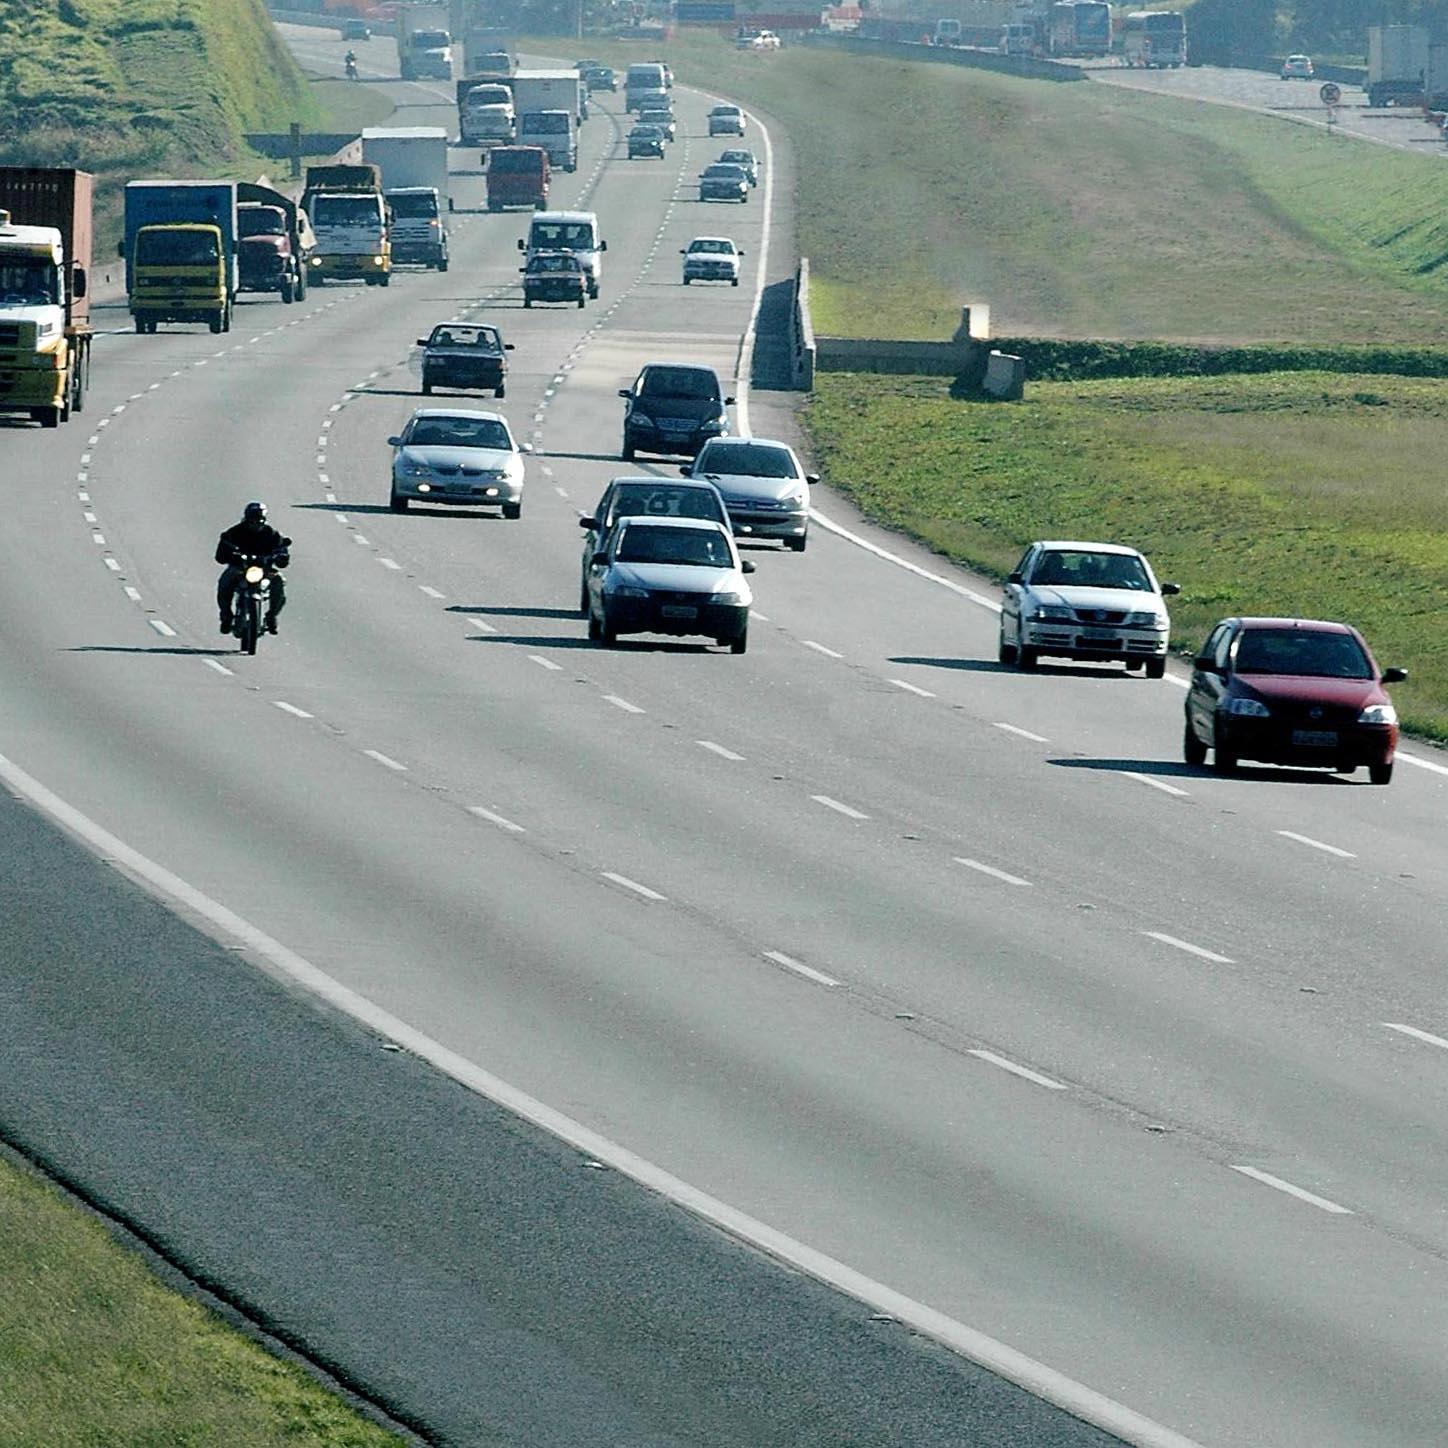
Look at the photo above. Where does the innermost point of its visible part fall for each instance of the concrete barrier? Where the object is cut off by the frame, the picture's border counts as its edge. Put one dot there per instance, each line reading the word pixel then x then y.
pixel 1022 65
pixel 1005 377
pixel 963 356
pixel 803 337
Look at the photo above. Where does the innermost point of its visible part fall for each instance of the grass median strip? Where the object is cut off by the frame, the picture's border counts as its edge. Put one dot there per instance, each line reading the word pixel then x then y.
pixel 97 1351
pixel 1308 494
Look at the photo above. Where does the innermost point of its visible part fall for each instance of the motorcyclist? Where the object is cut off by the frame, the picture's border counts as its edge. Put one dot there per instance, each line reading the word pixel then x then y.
pixel 351 64
pixel 255 538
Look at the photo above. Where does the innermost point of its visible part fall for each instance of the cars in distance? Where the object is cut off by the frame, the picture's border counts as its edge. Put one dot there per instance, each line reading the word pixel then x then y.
pixel 764 488
pixel 1297 67
pixel 660 117
pixel 672 409
pixel 747 161
pixel 711 259
pixel 726 121
pixel 356 30
pixel 464 355
pixel 554 276
pixel 675 576
pixel 1087 601
pixel 645 141
pixel 721 182
pixel 598 77
pixel 459 457
pixel 1291 691
pixel 652 497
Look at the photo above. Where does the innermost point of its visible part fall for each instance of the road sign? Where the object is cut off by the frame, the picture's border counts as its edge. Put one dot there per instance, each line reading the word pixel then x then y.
pixel 1329 94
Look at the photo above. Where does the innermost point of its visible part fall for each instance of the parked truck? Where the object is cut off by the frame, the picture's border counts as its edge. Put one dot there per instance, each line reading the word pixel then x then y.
pixel 1397 64
pixel 486 116
pixel 349 217
pixel 274 241
pixel 180 251
pixel 413 163
pixel 424 47
pixel 45 255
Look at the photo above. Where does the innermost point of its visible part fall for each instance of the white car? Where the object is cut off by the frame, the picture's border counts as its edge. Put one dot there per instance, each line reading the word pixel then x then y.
pixel 1297 67
pixel 711 259
pixel 458 457
pixel 1096 601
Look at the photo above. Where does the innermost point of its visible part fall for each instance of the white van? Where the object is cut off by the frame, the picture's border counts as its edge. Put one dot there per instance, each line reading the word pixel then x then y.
pixel 646 75
pixel 575 231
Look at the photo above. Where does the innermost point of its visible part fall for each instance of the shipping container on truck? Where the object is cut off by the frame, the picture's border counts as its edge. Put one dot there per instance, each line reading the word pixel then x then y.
pixel 180 251
pixel 45 256
pixel 274 242
pixel 413 163
pixel 1397 65
pixel 424 47
pixel 349 217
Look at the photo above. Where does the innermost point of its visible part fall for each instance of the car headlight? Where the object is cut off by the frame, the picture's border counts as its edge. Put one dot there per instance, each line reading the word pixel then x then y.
pixel 416 470
pixel 1043 611
pixel 1378 714
pixel 795 499
pixel 1248 708
pixel 1145 619
pixel 641 418
pixel 730 596
pixel 628 590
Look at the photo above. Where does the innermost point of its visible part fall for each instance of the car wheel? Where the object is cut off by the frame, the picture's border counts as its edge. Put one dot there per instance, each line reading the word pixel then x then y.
pixel 1381 773
pixel 1223 760
pixel 582 301
pixel 607 636
pixel 796 545
pixel 399 505
pixel 500 390
pixel 1193 750
pixel 734 282
pixel 686 281
pixel 1026 659
pixel 583 600
pixel 528 301
pixel 513 510
pixel 626 452
pixel 740 641
pixel 1156 668
pixel 1005 653
pixel 426 388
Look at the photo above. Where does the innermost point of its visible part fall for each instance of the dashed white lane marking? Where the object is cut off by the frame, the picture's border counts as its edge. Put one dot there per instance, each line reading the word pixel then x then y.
pixel 1421 763
pixel 92 440
pixel 1023 733
pixel 1302 1195
pixel 483 624
pixel 162 627
pixel 632 885
pixel 1024 1072
pixel 502 821
pixel 912 688
pixel 1317 844
pixel 622 704
pixel 430 591
pixel 1190 949
pixel 119 408
pixel 343 519
pixel 755 614
pixel 720 750
pixel 134 594
pixel 839 808
pixel 99 539
pixel 1154 783
pixel 1426 1036
pixel 562 492
pixel 291 709
pixel 821 649
pixel 385 761
pixel 390 563
pixel 361 542
pixel 800 968
pixel 112 564
pixel 90 517
pixel 85 458
pixel 991 871
pixel 544 663
pixel 219 667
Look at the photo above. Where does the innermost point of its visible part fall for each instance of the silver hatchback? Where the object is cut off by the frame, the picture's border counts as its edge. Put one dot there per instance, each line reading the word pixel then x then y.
pixel 763 486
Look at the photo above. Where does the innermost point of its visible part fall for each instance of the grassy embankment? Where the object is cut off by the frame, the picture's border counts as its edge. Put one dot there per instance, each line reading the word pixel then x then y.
pixel 96 1351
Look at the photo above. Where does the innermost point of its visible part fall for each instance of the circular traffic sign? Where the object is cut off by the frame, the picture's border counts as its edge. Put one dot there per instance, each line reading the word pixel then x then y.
pixel 1330 94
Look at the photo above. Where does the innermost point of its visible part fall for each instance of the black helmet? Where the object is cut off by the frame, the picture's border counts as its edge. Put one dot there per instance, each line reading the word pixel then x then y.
pixel 254 513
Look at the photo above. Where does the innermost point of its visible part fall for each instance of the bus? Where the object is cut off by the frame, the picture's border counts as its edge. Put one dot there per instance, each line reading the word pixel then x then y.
pixel 1155 38
pixel 1080 28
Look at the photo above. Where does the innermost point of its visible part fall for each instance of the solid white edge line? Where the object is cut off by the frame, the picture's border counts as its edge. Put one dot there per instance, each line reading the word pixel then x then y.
pixel 800 968
pixel 1190 949
pixel 1413 1031
pixel 720 750
pixel 1317 844
pixel 631 885
pixel 1421 763
pixel 1023 733
pixel 1302 1195
pixel 385 761
pixel 990 870
pixel 744 368
pixel 832 527
pixel 1154 783
pixel 834 804
pixel 1024 1072
pixel 502 821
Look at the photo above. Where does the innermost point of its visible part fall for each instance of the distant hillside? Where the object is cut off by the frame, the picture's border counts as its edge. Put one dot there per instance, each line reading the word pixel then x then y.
pixel 128 87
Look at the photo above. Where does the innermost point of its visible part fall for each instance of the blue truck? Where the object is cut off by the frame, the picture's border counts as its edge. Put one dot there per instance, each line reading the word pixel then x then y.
pixel 181 252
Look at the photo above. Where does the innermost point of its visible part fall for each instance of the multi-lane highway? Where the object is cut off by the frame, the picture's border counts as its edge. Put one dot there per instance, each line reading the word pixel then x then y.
pixel 943 984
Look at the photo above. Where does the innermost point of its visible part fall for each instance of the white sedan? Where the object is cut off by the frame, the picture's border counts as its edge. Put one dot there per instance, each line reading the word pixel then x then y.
pixel 711 259
pixel 1096 601
pixel 459 457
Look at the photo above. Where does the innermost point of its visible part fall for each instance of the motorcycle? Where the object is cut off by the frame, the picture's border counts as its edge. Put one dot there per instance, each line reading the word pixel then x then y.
pixel 252 598
pixel 351 70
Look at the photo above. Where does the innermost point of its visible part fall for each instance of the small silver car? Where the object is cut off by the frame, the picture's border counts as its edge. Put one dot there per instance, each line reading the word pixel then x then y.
pixel 457 457
pixel 763 485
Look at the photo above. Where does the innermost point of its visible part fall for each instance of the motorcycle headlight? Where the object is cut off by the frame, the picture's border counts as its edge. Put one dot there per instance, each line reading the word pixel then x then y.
pixel 1248 708
pixel 377 260
pixel 1045 611
pixel 255 573
pixel 1378 714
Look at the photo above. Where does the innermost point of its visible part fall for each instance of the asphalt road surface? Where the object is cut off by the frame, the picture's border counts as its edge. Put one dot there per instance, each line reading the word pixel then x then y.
pixel 949 985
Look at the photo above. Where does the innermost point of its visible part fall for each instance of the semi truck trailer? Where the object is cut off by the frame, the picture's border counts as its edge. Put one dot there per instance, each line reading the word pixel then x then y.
pixel 413 163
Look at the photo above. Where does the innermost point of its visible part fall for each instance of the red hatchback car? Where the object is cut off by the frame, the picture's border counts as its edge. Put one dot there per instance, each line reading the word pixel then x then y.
pixel 1291 691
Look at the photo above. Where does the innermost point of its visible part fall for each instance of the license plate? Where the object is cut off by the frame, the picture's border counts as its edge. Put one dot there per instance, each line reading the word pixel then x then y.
pixel 1315 738
pixel 678 610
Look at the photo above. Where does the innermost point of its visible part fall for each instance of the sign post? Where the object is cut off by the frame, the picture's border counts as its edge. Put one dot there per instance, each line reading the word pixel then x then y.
pixel 1330 95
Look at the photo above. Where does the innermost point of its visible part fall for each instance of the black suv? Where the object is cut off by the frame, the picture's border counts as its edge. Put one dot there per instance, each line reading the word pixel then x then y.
pixel 673 410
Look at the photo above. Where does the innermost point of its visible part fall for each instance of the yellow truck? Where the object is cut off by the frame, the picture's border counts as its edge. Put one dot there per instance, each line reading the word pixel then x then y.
pixel 180 251
pixel 45 253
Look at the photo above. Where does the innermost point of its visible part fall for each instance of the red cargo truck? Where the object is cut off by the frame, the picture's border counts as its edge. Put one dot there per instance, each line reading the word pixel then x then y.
pixel 517 176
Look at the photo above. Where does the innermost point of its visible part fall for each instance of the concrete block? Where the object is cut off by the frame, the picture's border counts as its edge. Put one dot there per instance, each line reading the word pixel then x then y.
pixel 974 323
pixel 1005 377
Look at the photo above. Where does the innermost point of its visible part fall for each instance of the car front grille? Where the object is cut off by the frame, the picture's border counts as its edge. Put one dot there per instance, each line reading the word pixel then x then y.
pixel 1112 617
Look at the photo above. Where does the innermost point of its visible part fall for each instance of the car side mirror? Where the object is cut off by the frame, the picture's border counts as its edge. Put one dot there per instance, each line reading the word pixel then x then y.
pixel 507 346
pixel 811 477
pixel 526 447
pixel 599 560
pixel 746 565
pixel 728 401
pixel 1016 577
pixel 741 252
pixel 590 523
pixel 522 268
pixel 686 471
pixel 422 341
pixel 394 442
pixel 624 392
pixel 1394 676
pixel 521 246
pixel 683 251
pixel 1168 589
pixel 603 246
pixel 1206 664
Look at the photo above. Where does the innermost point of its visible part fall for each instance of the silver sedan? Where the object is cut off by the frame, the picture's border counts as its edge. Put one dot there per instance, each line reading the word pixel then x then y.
pixel 457 457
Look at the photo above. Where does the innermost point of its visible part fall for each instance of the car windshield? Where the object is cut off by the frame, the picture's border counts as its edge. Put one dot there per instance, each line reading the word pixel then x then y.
pixel 725 111
pixel 554 264
pixel 746 459
pixel 483 432
pixel 644 133
pixel 737 158
pixel 730 173
pixel 485 338
pixel 1304 652
pixel 1071 569
pixel 557 235
pixel 679 382
pixel 694 546
pixel 666 501
pixel 260 221
pixel 547 123
pixel 724 247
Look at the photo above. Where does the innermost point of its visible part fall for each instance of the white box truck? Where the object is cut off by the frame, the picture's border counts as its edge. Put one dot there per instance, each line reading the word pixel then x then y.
pixel 550 90
pixel 413 162
pixel 1397 64
pixel 424 47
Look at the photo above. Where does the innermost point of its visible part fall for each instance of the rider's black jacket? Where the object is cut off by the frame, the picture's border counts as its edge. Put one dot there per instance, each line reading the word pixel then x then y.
pixel 260 541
